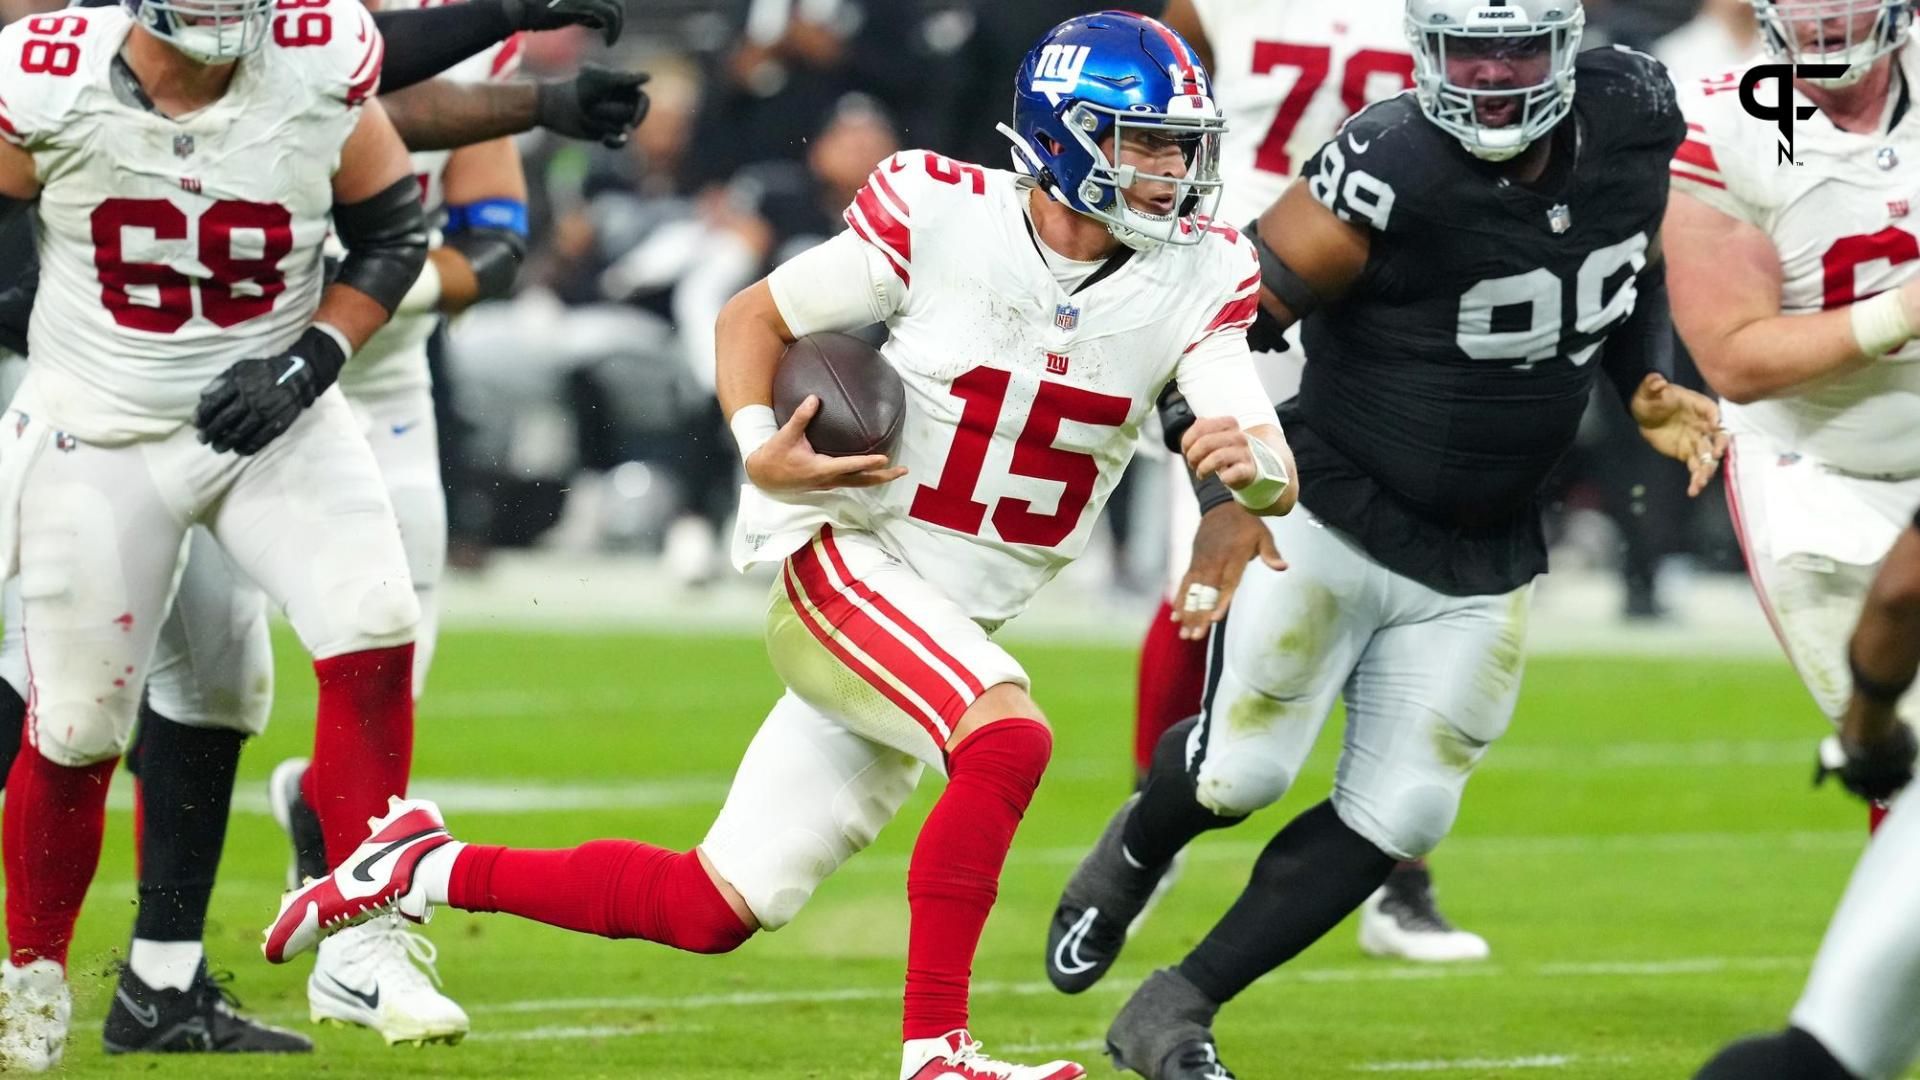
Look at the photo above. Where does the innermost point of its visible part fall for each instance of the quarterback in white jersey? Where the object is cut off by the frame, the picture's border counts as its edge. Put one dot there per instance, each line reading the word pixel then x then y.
pixel 1797 288
pixel 1034 316
pixel 186 159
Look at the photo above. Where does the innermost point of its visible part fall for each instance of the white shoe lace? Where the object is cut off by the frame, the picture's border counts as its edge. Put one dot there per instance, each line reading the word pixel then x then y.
pixel 401 955
pixel 971 1053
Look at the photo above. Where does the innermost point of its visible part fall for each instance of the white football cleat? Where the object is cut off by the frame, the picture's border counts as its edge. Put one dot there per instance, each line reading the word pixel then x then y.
pixel 1402 921
pixel 35 1011
pixel 380 975
pixel 955 1056
pixel 375 879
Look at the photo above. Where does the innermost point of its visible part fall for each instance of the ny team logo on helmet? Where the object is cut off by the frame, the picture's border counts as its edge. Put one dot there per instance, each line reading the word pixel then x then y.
pixel 1542 36
pixel 1084 89
pixel 210 31
pixel 1853 33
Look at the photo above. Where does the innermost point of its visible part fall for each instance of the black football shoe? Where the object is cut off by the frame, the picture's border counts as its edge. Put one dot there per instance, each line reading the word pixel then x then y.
pixel 1102 901
pixel 1165 1031
pixel 202 1019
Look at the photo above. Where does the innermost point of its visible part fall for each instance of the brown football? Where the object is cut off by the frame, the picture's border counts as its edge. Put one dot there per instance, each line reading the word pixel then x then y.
pixel 862 401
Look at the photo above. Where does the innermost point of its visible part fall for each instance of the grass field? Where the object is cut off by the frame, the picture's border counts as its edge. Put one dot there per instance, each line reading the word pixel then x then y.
pixel 1643 851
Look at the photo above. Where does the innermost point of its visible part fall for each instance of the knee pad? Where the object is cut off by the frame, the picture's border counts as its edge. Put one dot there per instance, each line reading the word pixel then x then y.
pixel 386 612
pixel 75 734
pixel 1406 825
pixel 1240 783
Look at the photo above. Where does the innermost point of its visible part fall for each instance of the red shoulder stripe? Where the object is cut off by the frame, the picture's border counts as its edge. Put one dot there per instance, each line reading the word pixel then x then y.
pixel 365 86
pixel 1697 178
pixel 507 60
pixel 888 228
pixel 893 196
pixel 900 271
pixel 1697 154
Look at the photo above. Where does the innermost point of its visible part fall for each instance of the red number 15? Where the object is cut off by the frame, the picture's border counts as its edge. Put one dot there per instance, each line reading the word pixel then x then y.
pixel 951 503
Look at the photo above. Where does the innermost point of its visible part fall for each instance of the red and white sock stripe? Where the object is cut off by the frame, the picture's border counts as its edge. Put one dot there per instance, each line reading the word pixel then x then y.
pixel 876 640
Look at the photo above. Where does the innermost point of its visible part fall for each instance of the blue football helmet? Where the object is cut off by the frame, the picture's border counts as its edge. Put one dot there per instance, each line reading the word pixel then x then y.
pixel 210 31
pixel 1096 81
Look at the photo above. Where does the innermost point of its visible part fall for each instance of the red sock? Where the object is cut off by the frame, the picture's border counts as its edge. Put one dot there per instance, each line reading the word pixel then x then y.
pixel 955 873
pixel 1876 813
pixel 55 818
pixel 1173 675
pixel 614 888
pixel 362 742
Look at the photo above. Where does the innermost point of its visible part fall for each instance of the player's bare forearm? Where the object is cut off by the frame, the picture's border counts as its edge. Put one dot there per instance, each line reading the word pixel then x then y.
pixel 352 312
pixel 19 180
pixel 1724 279
pixel 1886 645
pixel 441 115
pixel 749 338
pixel 1314 249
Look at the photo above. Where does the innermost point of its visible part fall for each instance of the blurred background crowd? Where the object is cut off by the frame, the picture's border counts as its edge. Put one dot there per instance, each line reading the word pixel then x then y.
pixel 578 416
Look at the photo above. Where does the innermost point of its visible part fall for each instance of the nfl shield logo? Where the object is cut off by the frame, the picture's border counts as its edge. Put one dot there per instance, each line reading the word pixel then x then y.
pixel 1560 219
pixel 182 146
pixel 1066 316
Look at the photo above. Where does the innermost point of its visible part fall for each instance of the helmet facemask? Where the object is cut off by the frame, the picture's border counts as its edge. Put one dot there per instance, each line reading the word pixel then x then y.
pixel 1497 82
pixel 1193 124
pixel 209 31
pixel 1855 33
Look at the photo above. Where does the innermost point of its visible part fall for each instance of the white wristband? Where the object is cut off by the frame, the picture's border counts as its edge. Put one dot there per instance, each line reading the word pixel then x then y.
pixel 424 295
pixel 1271 480
pixel 1880 323
pixel 752 426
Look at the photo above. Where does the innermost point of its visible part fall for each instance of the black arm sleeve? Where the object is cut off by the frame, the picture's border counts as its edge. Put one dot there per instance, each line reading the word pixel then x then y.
pixel 495 256
pixel 386 241
pixel 1643 343
pixel 22 278
pixel 424 42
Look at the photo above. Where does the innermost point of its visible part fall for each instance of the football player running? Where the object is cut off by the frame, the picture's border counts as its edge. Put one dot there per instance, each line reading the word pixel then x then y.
pixel 211 677
pixel 1797 290
pixel 1034 316
pixel 183 316
pixel 1467 258
pixel 1286 75
pixel 1854 1020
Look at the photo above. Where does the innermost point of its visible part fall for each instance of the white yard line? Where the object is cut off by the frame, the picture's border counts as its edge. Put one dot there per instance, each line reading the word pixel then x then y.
pixel 1534 1061
pixel 562 1032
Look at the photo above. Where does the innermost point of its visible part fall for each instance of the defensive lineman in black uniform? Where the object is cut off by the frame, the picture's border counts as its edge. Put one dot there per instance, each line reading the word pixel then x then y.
pixel 1467 257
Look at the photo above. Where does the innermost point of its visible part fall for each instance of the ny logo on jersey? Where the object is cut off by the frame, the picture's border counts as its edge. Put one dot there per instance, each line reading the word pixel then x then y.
pixel 1066 316
pixel 1056 364
pixel 1058 70
pixel 1782 111
pixel 188 183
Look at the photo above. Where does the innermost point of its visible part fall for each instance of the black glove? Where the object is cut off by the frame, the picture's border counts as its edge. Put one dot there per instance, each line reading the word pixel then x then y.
pixel 606 16
pixel 253 402
pixel 1266 334
pixel 1873 771
pixel 597 103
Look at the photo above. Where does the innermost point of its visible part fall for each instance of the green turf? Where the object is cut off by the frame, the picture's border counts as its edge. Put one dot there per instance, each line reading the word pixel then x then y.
pixel 1642 850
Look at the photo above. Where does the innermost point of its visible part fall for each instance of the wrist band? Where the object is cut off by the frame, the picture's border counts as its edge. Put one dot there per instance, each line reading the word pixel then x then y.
pixel 1271 481
pixel 1880 323
pixel 752 426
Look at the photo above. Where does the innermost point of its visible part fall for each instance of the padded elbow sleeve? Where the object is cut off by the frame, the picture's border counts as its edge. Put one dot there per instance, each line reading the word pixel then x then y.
pixel 386 241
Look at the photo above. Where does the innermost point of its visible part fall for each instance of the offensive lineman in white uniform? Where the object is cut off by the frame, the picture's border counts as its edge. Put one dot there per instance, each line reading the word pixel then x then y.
pixel 1034 317
pixel 1797 289
pixel 186 158
pixel 1286 75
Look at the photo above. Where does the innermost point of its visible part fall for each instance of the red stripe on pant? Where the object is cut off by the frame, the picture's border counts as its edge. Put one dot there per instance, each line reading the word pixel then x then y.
pixel 887 608
pixel 884 645
pixel 824 635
